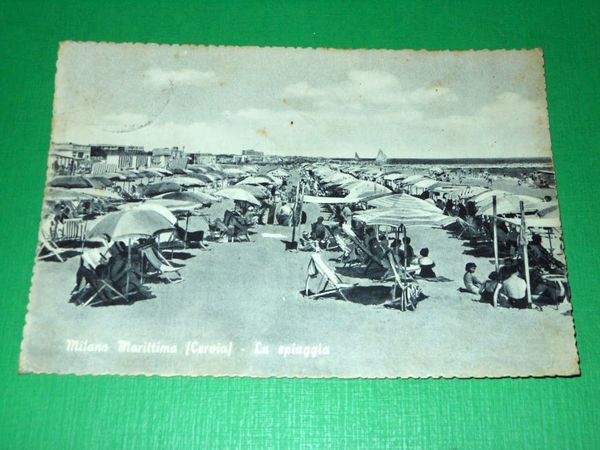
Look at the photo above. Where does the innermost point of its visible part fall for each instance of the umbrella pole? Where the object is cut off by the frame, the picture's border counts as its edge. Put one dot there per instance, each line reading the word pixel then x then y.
pixel 525 255
pixel 128 269
pixel 405 254
pixel 301 200
pixel 295 210
pixel 495 224
pixel 185 235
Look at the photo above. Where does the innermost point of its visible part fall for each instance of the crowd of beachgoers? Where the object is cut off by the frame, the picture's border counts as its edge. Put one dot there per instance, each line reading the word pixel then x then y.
pixel 125 227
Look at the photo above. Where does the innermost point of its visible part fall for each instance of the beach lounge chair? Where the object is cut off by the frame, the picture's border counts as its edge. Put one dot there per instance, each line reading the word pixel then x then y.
pixel 47 248
pixel 318 268
pixel 371 259
pixel 237 224
pixel 405 291
pixel 73 229
pixel 155 264
pixel 348 256
pixel 192 238
pixel 107 291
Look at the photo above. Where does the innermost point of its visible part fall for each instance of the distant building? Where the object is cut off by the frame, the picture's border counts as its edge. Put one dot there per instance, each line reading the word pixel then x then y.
pixel 120 156
pixel 168 158
pixel 69 158
pixel 250 156
pixel 201 158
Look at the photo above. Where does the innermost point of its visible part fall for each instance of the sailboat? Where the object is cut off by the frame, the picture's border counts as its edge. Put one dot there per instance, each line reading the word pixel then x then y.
pixel 381 158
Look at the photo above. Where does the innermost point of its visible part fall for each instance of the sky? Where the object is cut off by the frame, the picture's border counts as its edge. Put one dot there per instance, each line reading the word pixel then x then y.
pixel 311 102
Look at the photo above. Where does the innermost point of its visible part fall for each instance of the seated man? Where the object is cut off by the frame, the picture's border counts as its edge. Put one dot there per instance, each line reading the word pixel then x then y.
pixel 122 271
pixel 489 288
pixel 318 230
pixel 514 288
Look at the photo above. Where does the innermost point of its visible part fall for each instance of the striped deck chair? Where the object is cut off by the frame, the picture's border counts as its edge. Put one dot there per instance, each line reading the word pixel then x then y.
pixel 318 268
pixel 73 229
pixel 405 291
pixel 157 265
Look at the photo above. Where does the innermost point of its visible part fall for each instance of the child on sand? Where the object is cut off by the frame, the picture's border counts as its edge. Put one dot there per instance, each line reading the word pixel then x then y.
pixel 472 283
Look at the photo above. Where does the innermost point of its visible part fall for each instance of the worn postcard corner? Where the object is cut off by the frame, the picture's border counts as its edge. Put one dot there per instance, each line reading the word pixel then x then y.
pixel 287 212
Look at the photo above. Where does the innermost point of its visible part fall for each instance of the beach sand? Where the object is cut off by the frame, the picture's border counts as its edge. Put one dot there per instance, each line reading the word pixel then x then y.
pixel 248 296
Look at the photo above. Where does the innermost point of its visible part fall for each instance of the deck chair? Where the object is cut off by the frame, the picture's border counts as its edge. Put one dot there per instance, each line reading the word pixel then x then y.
pixel 371 258
pixel 112 293
pixel 155 264
pixel 235 223
pixel 73 229
pixel 318 268
pixel 190 237
pixel 47 248
pixel 405 291
pixel 346 257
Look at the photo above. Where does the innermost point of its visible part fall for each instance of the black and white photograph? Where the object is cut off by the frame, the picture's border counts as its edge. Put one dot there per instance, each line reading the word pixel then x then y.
pixel 290 212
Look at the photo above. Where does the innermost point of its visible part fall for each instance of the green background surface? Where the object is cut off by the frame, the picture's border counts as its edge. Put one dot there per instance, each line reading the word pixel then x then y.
pixel 43 411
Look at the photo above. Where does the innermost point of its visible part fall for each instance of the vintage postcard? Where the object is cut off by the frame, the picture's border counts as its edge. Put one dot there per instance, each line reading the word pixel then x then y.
pixel 285 212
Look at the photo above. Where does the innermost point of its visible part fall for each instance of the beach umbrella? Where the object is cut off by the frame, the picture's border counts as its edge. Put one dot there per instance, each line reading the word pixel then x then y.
pixel 467 192
pixel 154 189
pixel 100 181
pixel 197 169
pixel 71 182
pixel 135 221
pixel 161 209
pixel 59 194
pixel 364 190
pixel 404 202
pixel 510 204
pixel 233 172
pixel 258 180
pixel 173 205
pixel 259 192
pixel 194 197
pixel 206 177
pixel 412 179
pixel 279 172
pixel 237 193
pixel 115 176
pixel 99 193
pixel 548 209
pixel 394 176
pixel 188 181
pixel 395 217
